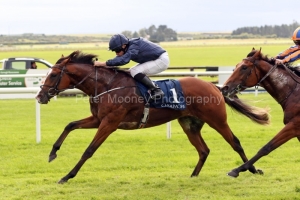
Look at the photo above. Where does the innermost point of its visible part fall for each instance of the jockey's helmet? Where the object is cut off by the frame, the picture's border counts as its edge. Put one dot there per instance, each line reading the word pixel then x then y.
pixel 116 42
pixel 296 36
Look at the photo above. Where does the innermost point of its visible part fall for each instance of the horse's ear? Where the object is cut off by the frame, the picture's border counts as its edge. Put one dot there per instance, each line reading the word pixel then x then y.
pixel 62 55
pixel 253 49
pixel 257 54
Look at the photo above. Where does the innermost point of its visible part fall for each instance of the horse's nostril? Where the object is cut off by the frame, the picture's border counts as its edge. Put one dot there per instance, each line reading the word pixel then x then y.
pixel 224 88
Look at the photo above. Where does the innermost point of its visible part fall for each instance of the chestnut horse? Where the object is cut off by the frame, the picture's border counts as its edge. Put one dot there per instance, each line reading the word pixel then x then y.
pixel 77 71
pixel 281 83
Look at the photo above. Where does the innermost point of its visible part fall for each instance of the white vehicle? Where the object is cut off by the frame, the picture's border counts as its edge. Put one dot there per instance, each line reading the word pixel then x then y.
pixel 23 63
pixel 17 73
pixel 23 66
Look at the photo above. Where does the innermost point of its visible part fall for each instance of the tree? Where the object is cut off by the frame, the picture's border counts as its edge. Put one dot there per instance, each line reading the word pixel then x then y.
pixel 283 30
pixel 135 35
pixel 162 33
pixel 143 32
pixel 127 34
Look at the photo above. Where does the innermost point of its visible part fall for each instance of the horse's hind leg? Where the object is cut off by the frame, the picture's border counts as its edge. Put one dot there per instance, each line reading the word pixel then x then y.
pixel 234 142
pixel 89 122
pixel 192 127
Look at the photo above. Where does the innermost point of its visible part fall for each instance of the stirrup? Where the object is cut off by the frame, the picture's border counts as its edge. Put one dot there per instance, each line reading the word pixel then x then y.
pixel 156 95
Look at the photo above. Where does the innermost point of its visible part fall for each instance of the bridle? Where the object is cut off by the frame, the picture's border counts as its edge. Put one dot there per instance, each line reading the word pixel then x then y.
pixel 53 90
pixel 254 62
pixel 242 86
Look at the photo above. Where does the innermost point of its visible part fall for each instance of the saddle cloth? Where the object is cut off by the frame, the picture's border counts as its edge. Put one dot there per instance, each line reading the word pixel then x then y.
pixel 173 98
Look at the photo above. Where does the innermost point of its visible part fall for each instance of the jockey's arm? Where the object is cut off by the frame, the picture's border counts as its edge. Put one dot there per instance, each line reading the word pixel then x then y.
pixel 288 52
pixel 99 64
pixel 292 57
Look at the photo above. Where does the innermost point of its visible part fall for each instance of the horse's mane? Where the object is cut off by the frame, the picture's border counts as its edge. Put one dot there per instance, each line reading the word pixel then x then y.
pixel 79 57
pixel 271 61
pixel 82 58
pixel 85 58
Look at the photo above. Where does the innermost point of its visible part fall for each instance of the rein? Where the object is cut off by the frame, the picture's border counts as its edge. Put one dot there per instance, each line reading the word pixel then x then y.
pixel 269 72
pixel 292 75
pixel 110 90
pixel 242 85
pixel 55 88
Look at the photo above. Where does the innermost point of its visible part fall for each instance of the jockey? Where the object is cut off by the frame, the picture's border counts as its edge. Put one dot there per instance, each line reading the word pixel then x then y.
pixel 291 54
pixel 150 58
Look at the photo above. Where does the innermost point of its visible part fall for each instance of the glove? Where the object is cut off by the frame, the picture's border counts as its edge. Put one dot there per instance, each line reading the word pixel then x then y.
pixel 278 62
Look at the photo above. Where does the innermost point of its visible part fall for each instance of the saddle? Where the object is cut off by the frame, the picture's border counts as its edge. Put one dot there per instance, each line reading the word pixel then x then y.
pixel 173 98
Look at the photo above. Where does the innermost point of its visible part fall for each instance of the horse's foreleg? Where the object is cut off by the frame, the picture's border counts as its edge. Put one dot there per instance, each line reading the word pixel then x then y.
pixel 89 122
pixel 287 133
pixel 108 125
pixel 192 126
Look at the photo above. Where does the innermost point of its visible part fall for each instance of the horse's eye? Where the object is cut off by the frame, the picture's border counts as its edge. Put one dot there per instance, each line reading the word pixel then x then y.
pixel 244 67
pixel 53 75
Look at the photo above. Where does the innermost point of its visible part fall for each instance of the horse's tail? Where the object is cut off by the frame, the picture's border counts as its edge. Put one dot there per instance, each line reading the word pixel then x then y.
pixel 257 115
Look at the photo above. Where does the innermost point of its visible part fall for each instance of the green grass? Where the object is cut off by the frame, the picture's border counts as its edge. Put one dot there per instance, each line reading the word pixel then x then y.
pixel 139 164
pixel 142 164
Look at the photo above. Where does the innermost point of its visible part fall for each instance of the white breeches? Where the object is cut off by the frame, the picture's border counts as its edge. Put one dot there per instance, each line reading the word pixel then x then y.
pixel 151 67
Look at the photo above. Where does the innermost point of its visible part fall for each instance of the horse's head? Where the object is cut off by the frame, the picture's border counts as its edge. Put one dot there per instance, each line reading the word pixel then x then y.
pixel 57 79
pixel 247 73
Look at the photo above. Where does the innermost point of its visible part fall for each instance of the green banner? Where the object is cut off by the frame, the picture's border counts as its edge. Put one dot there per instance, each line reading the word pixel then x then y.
pixel 10 81
pixel 7 82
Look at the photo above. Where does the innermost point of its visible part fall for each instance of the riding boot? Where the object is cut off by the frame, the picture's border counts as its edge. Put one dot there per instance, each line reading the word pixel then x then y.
pixel 155 91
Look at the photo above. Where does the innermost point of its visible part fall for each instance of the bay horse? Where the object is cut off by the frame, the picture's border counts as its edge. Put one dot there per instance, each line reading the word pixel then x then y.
pixel 77 71
pixel 282 83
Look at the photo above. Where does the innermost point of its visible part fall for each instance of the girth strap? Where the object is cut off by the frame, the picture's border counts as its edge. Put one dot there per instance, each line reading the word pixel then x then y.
pixel 145 117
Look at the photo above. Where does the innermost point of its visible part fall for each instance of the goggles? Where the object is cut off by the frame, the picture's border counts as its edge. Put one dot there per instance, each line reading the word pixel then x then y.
pixel 118 50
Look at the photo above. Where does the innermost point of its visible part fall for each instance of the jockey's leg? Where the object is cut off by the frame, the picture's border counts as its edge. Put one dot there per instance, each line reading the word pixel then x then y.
pixel 139 72
pixel 156 92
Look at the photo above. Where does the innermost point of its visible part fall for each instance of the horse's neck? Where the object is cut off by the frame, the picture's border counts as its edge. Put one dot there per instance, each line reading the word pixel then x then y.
pixel 100 80
pixel 278 84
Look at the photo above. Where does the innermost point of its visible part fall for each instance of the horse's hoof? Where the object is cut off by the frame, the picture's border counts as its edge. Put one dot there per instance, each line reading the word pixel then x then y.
pixel 260 172
pixel 62 181
pixel 233 174
pixel 52 157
